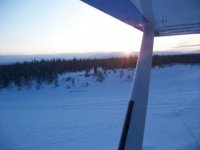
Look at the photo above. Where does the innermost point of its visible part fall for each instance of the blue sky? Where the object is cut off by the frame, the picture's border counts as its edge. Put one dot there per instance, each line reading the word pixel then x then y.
pixel 70 26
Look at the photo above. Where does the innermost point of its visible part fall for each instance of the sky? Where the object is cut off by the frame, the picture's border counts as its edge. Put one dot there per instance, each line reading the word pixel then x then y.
pixel 30 27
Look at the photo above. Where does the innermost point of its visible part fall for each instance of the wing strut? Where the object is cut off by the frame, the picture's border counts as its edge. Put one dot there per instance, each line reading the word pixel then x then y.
pixel 133 130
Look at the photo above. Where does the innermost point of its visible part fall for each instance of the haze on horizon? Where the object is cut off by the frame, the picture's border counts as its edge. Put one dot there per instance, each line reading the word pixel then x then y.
pixel 51 27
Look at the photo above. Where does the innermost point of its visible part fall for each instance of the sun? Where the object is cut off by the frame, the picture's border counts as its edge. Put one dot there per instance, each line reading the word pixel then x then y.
pixel 127 52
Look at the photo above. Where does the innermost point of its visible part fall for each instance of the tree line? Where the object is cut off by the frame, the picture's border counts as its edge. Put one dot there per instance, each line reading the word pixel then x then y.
pixel 47 71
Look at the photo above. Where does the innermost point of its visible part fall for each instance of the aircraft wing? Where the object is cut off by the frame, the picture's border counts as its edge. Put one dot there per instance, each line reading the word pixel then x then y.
pixel 170 17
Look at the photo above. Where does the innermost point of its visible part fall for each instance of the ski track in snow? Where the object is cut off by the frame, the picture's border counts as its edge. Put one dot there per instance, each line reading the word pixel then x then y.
pixel 91 118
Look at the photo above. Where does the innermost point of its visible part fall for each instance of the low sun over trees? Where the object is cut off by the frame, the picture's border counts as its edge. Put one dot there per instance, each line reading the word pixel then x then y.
pixel 47 71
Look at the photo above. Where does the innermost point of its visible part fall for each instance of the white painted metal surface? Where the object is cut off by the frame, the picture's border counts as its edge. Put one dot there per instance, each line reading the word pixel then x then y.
pixel 140 91
pixel 172 16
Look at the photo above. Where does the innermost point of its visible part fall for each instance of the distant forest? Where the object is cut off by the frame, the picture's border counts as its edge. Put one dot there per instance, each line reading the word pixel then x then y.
pixel 47 71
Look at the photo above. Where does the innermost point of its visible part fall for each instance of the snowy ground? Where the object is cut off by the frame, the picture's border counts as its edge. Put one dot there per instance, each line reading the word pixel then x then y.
pixel 89 116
